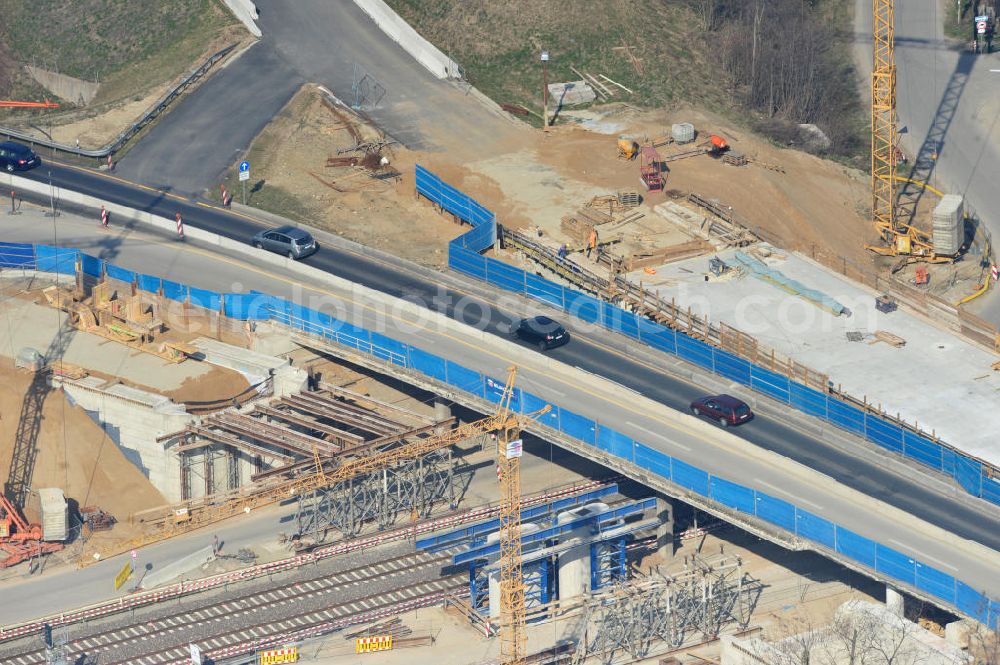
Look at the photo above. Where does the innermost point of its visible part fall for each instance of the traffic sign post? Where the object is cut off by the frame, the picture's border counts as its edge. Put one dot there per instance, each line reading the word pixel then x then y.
pixel 244 176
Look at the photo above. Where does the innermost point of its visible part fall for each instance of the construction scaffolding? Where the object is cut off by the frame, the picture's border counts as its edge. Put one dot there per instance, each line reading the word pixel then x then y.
pixel 638 619
pixel 412 488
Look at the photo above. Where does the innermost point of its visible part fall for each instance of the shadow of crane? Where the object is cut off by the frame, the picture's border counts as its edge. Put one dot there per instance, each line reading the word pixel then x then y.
pixel 909 195
pixel 29 424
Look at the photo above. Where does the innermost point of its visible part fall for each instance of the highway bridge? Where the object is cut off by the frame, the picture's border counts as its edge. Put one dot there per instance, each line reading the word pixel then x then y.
pixel 633 390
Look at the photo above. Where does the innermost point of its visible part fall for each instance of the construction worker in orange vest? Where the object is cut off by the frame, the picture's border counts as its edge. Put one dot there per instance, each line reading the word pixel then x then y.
pixel 592 242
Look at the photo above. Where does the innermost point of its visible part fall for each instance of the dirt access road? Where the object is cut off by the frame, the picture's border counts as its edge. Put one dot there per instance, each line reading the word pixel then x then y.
pixel 306 41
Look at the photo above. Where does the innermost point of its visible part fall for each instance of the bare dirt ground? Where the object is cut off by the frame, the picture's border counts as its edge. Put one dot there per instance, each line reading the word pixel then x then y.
pixel 74 454
pixel 813 202
pixel 290 158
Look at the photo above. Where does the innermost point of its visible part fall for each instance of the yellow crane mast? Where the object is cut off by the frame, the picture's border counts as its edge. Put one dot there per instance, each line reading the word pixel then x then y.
pixel 883 131
pixel 899 238
pixel 513 639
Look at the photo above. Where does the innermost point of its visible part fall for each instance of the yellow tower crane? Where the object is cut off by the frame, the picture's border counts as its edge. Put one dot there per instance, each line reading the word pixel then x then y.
pixel 900 239
pixel 513 638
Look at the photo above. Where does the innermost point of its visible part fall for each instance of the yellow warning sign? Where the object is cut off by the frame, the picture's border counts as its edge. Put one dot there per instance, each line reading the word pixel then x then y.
pixel 372 644
pixel 278 656
pixel 123 575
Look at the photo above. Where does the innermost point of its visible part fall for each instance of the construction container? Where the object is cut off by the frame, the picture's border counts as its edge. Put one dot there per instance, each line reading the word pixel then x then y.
pixel 55 515
pixel 949 225
pixel 683 132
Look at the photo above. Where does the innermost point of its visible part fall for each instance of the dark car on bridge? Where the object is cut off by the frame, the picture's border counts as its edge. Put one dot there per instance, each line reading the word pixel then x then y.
pixel 288 240
pixel 542 332
pixel 17 157
pixel 724 409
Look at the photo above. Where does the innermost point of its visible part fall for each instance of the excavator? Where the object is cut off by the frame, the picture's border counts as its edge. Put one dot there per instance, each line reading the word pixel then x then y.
pixel 19 539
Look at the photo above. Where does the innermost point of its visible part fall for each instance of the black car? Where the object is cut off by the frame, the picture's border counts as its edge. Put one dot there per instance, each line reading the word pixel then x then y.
pixel 288 240
pixel 17 157
pixel 542 331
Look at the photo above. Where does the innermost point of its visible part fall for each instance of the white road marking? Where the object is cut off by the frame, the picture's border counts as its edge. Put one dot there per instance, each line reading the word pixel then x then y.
pixel 797 499
pixel 659 436
pixel 631 390
pixel 923 557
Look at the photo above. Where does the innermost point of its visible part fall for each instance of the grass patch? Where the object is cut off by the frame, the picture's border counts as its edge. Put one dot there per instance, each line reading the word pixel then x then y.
pixel 129 47
pixel 958 15
pixel 499 45
pixel 679 42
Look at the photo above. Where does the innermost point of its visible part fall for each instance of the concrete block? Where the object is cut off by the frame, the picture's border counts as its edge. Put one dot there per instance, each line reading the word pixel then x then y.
pixel 958 633
pixel 182 566
pixel 428 55
pixel 246 12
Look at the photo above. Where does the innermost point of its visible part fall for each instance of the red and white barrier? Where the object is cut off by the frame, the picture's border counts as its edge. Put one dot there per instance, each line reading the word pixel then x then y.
pixel 111 164
pixel 173 591
pixel 180 226
pixel 104 217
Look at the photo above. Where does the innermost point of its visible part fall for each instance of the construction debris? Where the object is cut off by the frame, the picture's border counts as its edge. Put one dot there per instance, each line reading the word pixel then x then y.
pixel 664 255
pixel 636 62
pixel 888 338
pixel 628 90
pixel 95 519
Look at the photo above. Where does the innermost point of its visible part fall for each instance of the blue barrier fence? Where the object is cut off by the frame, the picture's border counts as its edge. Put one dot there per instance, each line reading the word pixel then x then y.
pixel 742 499
pixel 970 473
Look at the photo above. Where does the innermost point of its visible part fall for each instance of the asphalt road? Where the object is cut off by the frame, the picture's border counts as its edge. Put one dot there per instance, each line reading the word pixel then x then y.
pixel 586 352
pixel 329 43
pixel 948 102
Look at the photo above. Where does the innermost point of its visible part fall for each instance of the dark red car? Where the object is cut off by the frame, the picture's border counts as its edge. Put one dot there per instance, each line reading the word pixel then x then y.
pixel 724 409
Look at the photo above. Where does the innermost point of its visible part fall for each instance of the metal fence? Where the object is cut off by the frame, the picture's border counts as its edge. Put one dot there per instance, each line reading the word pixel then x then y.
pixel 977 477
pixel 116 144
pixel 825 534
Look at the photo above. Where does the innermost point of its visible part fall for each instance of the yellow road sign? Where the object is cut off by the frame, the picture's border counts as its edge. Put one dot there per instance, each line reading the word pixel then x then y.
pixel 123 575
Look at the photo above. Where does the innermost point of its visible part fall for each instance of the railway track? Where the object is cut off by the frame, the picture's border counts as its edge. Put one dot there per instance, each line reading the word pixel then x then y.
pixel 231 622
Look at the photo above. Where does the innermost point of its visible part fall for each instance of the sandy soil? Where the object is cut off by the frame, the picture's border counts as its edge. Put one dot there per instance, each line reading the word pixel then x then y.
pixel 813 202
pixel 292 152
pixel 74 454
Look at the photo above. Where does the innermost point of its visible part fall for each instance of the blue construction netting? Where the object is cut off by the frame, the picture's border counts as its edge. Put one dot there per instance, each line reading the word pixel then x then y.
pixel 463 257
pixel 741 498
pixel 17 255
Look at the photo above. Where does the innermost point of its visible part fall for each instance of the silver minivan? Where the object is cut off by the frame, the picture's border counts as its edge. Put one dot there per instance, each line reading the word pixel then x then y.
pixel 288 240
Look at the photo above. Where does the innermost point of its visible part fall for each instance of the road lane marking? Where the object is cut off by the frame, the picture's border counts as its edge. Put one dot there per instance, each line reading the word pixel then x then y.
pixel 923 557
pixel 775 488
pixel 603 378
pixel 108 176
pixel 659 436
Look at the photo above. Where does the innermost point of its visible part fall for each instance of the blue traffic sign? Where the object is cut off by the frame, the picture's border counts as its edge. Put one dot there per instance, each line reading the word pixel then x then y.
pixel 244 166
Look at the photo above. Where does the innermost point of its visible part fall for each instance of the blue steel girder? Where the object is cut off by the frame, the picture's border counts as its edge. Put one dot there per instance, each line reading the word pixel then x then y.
pixel 453 538
pixel 595 523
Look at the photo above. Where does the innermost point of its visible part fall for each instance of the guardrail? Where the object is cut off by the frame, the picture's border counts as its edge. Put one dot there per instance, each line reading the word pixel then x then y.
pixel 978 477
pixel 824 535
pixel 116 144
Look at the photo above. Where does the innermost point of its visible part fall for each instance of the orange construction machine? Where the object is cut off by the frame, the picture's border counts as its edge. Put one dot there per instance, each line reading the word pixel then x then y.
pixel 19 539
pixel 7 104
